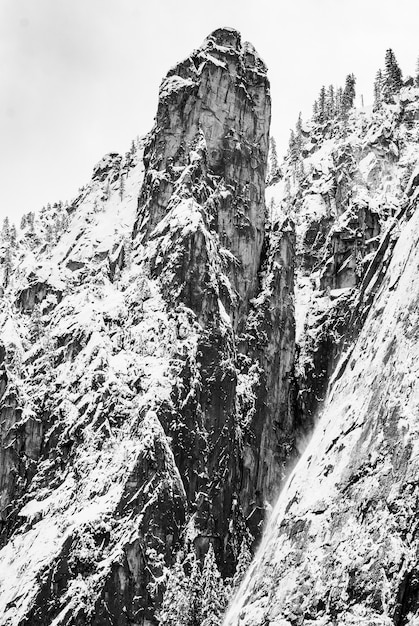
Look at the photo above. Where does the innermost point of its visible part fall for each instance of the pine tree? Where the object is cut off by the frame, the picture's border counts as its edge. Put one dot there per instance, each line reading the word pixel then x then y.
pixel 322 105
pixel 417 73
pixel 5 231
pixel 7 267
pixel 378 90
pixel 13 235
pixel 338 101
pixel 273 160
pixel 195 591
pixel 299 133
pixel 121 186
pixel 315 116
pixel 23 222
pixel 392 82
pixel 212 592
pixel 30 219
pixel 330 102
pixel 243 562
pixel 292 147
pixel 348 96
pixel 175 610
pixel 48 233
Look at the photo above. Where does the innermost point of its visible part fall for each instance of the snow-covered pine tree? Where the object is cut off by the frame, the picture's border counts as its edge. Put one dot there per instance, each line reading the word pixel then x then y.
pixel 7 266
pixel 5 230
pixel 273 167
pixel 195 591
pixel 299 133
pixel 417 73
pixel 330 102
pixel 322 105
pixel 378 90
pixel 12 235
pixel 348 96
pixel 176 605
pixel 392 81
pixel 243 561
pixel 338 101
pixel 121 186
pixel 315 116
pixel 292 147
pixel 213 601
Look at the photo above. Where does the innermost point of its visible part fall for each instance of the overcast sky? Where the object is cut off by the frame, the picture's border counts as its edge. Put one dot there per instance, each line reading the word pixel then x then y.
pixel 79 78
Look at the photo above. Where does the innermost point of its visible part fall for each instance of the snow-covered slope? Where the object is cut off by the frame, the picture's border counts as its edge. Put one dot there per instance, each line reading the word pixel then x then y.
pixel 341 546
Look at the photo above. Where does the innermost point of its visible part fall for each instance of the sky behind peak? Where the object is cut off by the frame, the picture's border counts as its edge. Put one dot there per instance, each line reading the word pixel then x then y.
pixel 80 78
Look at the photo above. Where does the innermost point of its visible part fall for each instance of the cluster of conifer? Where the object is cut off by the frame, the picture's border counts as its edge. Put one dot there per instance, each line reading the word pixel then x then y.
pixel 388 82
pixel 197 595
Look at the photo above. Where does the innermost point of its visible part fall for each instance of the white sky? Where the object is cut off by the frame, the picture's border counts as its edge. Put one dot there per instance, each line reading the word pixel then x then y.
pixel 79 78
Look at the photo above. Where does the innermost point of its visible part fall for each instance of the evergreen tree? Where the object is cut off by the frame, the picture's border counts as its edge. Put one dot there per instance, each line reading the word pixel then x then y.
pixel 348 96
pixel 338 101
pixel 30 219
pixel 23 222
pixel 213 600
pixel 299 133
pixel 315 116
pixel 417 73
pixel 392 82
pixel 48 233
pixel 175 610
pixel 7 267
pixel 330 102
pixel 243 562
pixel 322 105
pixel 195 592
pixel 5 231
pixel 13 235
pixel 273 160
pixel 121 186
pixel 378 90
pixel 292 147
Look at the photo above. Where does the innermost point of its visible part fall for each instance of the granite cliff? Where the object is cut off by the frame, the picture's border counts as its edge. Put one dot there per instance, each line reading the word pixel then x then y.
pixel 181 342
pixel 148 334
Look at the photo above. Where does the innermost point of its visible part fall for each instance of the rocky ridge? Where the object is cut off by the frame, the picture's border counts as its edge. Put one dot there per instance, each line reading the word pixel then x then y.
pixel 144 337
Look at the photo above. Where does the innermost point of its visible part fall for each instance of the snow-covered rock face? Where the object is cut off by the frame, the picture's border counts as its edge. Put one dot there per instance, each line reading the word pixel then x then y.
pixel 146 374
pixel 342 545
pixel 210 145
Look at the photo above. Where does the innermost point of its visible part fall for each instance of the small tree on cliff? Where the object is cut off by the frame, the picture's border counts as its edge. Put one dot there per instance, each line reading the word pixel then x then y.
pixel 348 96
pixel 213 601
pixel 330 102
pixel 176 608
pixel 273 164
pixel 392 82
pixel 378 90
pixel 243 561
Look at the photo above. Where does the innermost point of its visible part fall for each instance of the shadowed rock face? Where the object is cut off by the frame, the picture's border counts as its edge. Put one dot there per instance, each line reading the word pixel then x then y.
pixel 201 226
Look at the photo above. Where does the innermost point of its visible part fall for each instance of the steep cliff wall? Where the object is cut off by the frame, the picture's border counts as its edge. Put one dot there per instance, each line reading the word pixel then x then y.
pixel 342 544
pixel 148 330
